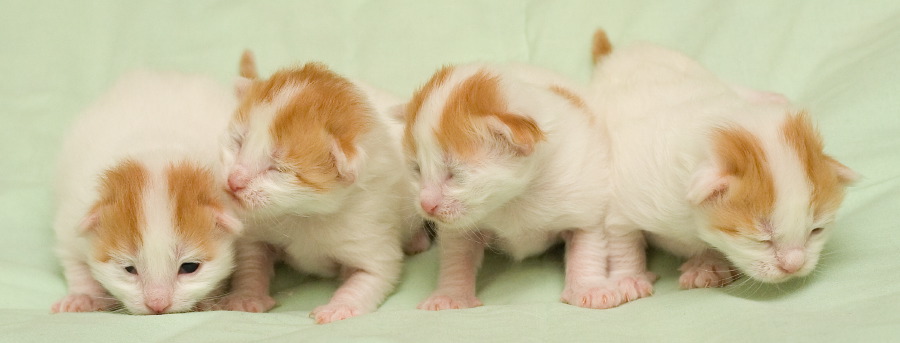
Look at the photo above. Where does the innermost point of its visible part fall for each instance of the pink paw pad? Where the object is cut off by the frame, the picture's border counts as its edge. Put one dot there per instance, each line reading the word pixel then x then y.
pixel 247 303
pixel 333 312
pixel 446 302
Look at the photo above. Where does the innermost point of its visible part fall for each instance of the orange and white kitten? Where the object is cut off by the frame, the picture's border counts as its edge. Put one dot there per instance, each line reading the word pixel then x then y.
pixel 315 164
pixel 142 219
pixel 717 173
pixel 509 157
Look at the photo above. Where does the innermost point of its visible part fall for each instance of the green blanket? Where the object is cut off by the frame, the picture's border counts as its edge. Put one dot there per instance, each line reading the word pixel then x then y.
pixel 838 58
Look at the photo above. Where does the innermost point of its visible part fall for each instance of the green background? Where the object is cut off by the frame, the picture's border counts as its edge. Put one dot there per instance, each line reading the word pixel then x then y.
pixel 837 58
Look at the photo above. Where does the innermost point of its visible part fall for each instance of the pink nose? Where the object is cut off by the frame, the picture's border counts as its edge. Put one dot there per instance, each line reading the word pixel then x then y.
pixel 792 261
pixel 158 305
pixel 237 181
pixel 429 206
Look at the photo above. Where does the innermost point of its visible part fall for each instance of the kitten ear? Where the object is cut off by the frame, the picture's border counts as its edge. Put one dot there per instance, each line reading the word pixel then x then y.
pixel 845 175
pixel 247 67
pixel 521 133
pixel 346 162
pixel 90 221
pixel 398 112
pixel 241 86
pixel 708 184
pixel 227 221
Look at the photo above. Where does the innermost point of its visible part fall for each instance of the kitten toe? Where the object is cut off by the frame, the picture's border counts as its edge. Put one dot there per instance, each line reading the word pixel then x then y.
pixel 247 303
pixel 334 312
pixel 597 297
pixel 701 272
pixel 448 302
pixel 78 303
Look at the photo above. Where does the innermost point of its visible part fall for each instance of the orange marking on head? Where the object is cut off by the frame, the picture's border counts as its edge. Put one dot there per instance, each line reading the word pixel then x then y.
pixel 463 128
pixel 827 188
pixel 750 196
pixel 193 192
pixel 601 46
pixel 329 109
pixel 120 214
pixel 415 104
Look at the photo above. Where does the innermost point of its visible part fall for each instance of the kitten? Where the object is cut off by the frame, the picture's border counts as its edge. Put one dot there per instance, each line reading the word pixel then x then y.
pixel 720 174
pixel 141 219
pixel 509 157
pixel 313 162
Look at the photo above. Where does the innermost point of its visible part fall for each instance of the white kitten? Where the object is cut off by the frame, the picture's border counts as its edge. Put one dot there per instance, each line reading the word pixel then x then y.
pixel 717 173
pixel 141 215
pixel 509 157
pixel 315 163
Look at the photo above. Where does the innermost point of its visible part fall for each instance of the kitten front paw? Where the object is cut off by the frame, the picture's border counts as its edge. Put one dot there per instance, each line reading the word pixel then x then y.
pixel 704 272
pixel 256 303
pixel 333 312
pixel 634 287
pixel 598 297
pixel 80 303
pixel 439 302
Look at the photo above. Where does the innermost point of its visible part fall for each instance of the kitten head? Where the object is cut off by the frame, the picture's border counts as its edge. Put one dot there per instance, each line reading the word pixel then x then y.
pixel 769 203
pixel 162 241
pixel 469 152
pixel 293 141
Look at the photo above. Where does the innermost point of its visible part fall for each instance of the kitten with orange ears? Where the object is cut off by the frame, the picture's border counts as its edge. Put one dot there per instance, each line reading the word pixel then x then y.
pixel 509 157
pixel 719 174
pixel 313 163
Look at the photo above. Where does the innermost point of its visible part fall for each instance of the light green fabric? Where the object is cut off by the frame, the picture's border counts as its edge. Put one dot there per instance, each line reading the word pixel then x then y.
pixel 838 58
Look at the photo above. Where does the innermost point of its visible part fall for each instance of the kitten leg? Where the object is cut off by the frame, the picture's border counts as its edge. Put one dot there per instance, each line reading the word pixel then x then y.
pixel 85 293
pixel 461 257
pixel 255 266
pixel 586 281
pixel 628 264
pixel 360 293
pixel 709 269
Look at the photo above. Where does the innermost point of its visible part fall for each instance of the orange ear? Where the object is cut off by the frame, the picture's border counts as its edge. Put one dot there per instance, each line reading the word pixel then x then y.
pixel 520 132
pixel 845 175
pixel 248 65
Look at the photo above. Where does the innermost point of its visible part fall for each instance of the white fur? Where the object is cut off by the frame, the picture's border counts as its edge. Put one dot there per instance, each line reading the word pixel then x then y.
pixel 155 119
pixel 354 231
pixel 519 202
pixel 661 107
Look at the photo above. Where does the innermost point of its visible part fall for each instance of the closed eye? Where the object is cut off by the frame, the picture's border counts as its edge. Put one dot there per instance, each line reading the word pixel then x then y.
pixel 817 231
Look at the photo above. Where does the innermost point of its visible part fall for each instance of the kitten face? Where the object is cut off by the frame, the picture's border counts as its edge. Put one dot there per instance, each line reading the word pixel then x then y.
pixel 161 242
pixel 469 155
pixel 769 209
pixel 292 141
